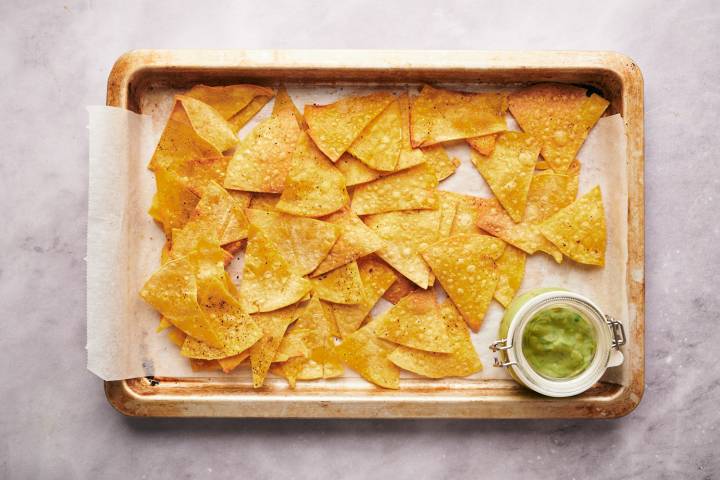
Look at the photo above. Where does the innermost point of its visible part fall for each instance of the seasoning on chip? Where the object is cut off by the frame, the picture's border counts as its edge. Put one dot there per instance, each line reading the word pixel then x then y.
pixel 230 100
pixel 273 324
pixel 342 285
pixel 465 267
pixel 378 146
pixel 414 188
pixel 559 116
pixel 268 282
pixel 335 127
pixel 578 230
pixel 367 354
pixel 484 144
pixel 313 187
pixel 441 115
pixel 511 270
pixel 462 361
pixel 509 170
pixel 355 171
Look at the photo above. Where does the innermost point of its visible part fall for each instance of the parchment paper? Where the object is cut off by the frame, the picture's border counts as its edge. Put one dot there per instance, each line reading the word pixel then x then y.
pixel 124 242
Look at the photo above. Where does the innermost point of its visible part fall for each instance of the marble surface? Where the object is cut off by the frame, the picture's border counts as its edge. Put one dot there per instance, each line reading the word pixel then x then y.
pixel 54 420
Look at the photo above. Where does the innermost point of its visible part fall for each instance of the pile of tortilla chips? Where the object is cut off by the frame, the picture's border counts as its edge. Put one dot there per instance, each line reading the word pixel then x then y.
pixel 337 207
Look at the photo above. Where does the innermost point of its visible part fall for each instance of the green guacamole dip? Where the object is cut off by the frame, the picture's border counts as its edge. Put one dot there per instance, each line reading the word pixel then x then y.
pixel 558 343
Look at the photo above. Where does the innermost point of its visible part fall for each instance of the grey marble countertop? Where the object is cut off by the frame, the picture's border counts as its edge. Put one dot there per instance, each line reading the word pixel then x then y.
pixel 54 420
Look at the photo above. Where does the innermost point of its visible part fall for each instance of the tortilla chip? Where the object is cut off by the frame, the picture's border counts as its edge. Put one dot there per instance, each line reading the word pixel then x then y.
pixel 273 324
pixel 437 157
pixel 198 172
pixel 335 127
pixel 176 336
pixel 466 213
pixel 465 267
pixel 484 144
pixel 303 242
pixel 284 102
pixel 414 188
pixel 409 156
pixel 549 192
pixel 448 210
pixel 559 116
pixel 461 362
pixel 401 288
pixel 356 240
pixel 163 325
pixel 229 100
pixel 526 236
pixel 415 322
pixel 208 124
pixel 229 364
pixel 376 277
pixel 240 119
pixel 378 146
pixel 355 171
pixel 311 331
pixel 342 285
pixel 511 270
pixel 264 201
pixel 509 170
pixel 578 230
pixel 441 115
pixel 172 291
pixel 367 354
pixel 406 234
pixel 301 368
pixel 268 281
pixel 173 203
pixel 199 365
pixel 314 187
pixel 263 159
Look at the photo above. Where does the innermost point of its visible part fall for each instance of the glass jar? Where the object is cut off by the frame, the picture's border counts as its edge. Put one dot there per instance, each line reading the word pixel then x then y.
pixel 609 336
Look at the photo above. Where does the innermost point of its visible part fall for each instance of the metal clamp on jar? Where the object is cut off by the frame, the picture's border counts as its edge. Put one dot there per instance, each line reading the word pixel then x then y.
pixel 583 335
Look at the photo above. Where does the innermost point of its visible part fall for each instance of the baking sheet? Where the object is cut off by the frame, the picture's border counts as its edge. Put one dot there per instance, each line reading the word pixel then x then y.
pixel 122 342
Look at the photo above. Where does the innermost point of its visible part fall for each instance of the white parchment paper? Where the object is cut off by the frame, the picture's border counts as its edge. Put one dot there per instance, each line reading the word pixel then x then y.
pixel 124 242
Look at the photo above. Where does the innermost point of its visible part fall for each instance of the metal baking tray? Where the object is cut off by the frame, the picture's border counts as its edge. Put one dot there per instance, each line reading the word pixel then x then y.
pixel 614 75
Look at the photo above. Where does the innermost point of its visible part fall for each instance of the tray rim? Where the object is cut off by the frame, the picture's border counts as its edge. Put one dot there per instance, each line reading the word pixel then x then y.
pixel 501 398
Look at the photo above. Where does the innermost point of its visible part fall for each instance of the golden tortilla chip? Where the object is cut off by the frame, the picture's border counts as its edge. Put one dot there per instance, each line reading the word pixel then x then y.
pixel 176 336
pixel 441 115
pixel 264 201
pixel 448 210
pixel 526 236
pixel 401 288
pixel 578 230
pixel 311 331
pixel 367 354
pixel 303 242
pixel 509 170
pixel 409 156
pixel 314 187
pixel 198 172
pixel 342 285
pixel 268 281
pixel 263 159
pixel 301 368
pixel 559 116
pixel 240 119
pixel 465 267
pixel 437 157
pixel 415 322
pixel 335 127
pixel 461 362
pixel 172 291
pixel 484 144
pixel 229 100
pixel 378 146
pixel 466 213
pixel 199 365
pixel 406 234
pixel 163 325
pixel 511 270
pixel 549 192
pixel 284 102
pixel 229 364
pixel 173 203
pixel 414 188
pixel 273 324
pixel 355 171
pixel 376 277
pixel 356 240
pixel 208 123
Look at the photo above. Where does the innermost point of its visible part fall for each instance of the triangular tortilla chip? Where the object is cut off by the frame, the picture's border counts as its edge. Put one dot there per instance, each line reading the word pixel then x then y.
pixel 356 240
pixel 526 236
pixel 406 234
pixel 415 322
pixel 240 119
pixel 303 242
pixel 509 170
pixel 578 230
pixel 549 192
pixel 342 285
pixel 409 156
pixel 448 210
pixel 172 291
pixel 559 116
pixel 441 115
pixel 437 157
pixel 311 331
pixel 466 213
pixel 355 171
pixel 461 362
pixel 484 144
pixel 378 146
pixel 401 288
pixel 376 277
pixel 173 203
pixel 268 282
pixel 511 270
pixel 411 189
pixel 313 187
pixel 301 368
pixel 335 127
pixel 208 123
pixel 465 267
pixel 176 336
pixel 229 100
pixel 367 354
pixel 228 364
pixel 284 102
pixel 262 160
pixel 264 201
pixel 198 172
pixel 273 324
